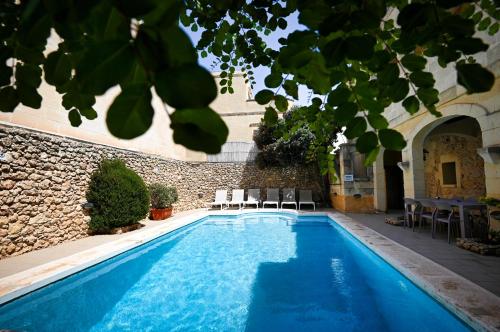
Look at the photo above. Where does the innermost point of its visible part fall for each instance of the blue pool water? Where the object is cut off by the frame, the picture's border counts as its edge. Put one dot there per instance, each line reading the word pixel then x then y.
pixel 250 273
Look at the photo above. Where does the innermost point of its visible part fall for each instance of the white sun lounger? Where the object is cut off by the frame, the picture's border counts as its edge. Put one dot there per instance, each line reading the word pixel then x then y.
pixel 253 198
pixel 238 197
pixel 273 197
pixel 289 197
pixel 305 197
pixel 220 198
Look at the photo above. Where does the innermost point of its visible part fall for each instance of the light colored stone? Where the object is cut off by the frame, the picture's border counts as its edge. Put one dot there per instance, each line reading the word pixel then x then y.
pixel 8 184
pixel 45 193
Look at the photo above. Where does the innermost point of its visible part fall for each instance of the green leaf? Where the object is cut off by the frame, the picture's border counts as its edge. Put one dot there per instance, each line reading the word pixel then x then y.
pixel 104 65
pixel 428 96
pixel 411 104
pixel 484 24
pixel 475 78
pixel 133 8
pixel 371 156
pixel 493 29
pixel 88 113
pixel 106 23
pixel 165 15
pixel 74 118
pixel 29 96
pixel 334 52
pixel 468 45
pixel 367 142
pixel 9 99
pixel 264 97
pixel 360 47
pixel 391 139
pixel 291 88
pixel 271 116
pixel 273 80
pixel 415 15
pixel 5 74
pixel 413 62
pixel 199 129
pixel 281 103
pixel 422 79
pixel 339 96
pixel 178 48
pixel 399 90
pixel 149 49
pixel 57 68
pixel 389 74
pixel 373 106
pixel 74 98
pixel 377 121
pixel 29 75
pixel 355 128
pixel 187 86
pixel 131 114
pixel 345 112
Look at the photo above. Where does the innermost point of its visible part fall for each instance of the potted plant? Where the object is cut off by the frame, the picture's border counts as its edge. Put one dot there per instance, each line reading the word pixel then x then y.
pixel 162 198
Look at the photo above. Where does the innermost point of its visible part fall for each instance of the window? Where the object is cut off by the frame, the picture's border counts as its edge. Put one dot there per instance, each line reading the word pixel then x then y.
pixel 449 170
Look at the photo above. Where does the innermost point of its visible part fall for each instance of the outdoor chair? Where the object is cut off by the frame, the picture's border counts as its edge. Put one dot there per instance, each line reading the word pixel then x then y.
pixel 253 198
pixel 220 198
pixel 412 211
pixel 272 198
pixel 426 212
pixel 238 197
pixel 305 197
pixel 289 197
pixel 444 214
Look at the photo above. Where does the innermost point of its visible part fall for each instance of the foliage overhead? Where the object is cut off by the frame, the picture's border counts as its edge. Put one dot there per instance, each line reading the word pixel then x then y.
pixel 361 55
pixel 119 195
pixel 162 196
pixel 291 140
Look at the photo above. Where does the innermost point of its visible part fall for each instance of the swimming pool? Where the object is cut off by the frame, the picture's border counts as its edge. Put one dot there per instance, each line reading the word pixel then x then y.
pixel 254 272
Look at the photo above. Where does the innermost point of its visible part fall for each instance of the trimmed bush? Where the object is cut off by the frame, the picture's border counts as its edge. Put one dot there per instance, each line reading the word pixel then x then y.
pixel 162 196
pixel 119 195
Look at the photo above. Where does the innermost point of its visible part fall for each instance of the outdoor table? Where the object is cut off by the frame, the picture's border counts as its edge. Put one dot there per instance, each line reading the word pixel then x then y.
pixel 463 210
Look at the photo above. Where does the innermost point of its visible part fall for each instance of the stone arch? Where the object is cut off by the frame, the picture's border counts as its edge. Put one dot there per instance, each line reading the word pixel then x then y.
pixel 414 174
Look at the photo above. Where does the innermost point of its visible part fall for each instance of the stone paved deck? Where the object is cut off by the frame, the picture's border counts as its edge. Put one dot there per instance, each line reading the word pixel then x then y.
pixel 482 270
pixel 15 264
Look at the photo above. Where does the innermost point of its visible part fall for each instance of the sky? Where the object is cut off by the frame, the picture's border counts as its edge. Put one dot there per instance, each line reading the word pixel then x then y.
pixel 261 72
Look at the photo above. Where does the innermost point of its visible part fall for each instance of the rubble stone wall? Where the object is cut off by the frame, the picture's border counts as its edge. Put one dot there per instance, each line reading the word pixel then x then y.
pixel 44 178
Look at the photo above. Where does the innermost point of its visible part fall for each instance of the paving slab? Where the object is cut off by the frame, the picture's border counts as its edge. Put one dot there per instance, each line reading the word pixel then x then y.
pixel 482 270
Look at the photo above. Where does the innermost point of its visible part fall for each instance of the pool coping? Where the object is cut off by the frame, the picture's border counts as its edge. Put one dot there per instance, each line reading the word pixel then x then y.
pixel 473 304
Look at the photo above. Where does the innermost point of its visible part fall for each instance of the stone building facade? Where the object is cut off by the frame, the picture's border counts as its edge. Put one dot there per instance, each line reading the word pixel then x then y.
pixel 417 171
pixel 44 178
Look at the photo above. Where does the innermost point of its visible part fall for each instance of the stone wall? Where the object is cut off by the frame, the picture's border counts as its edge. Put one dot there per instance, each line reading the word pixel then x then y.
pixel 44 178
pixel 470 166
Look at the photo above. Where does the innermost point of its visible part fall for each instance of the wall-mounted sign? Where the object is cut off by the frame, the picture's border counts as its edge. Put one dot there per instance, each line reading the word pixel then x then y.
pixel 348 177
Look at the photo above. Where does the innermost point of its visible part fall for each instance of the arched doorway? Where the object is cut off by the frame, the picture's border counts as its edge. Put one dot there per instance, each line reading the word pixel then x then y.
pixel 394 184
pixel 452 167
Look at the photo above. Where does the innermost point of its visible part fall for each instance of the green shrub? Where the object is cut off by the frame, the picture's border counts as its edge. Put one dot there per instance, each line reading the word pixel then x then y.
pixel 162 196
pixel 119 195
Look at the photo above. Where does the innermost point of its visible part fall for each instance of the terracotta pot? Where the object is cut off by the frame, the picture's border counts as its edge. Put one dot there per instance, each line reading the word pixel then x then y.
pixel 160 214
